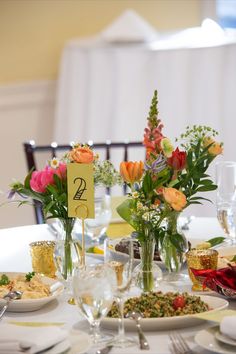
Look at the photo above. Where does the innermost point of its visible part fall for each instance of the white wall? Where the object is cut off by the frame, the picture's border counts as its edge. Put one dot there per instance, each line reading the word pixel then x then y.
pixel 26 112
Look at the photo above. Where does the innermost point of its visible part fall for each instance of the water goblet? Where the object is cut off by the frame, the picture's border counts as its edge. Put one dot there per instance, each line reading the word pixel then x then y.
pixel 226 198
pixel 122 263
pixel 93 287
pixel 96 227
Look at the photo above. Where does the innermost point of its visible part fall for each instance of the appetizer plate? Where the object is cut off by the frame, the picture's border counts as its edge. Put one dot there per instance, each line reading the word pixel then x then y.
pixel 26 305
pixel 166 323
pixel 225 255
pixel 207 340
pixel 224 339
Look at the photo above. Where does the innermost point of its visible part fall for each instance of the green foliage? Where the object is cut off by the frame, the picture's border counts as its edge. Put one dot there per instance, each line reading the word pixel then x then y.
pixel 105 174
pixel 4 280
pixel 29 276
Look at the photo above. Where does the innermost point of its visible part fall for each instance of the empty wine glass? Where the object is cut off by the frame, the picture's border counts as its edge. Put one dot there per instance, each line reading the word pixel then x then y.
pixel 226 197
pixel 96 227
pixel 94 287
pixel 123 266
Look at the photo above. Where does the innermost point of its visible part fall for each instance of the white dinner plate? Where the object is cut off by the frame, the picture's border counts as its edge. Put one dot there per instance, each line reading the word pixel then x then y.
pixel 207 340
pixel 165 323
pixel 26 305
pixel 224 339
pixel 80 342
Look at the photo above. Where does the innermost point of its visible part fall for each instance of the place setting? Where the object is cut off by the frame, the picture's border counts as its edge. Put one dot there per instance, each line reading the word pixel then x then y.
pixel 126 287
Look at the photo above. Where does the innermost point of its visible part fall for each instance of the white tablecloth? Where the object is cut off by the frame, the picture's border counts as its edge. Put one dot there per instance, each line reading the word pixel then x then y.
pixel 15 256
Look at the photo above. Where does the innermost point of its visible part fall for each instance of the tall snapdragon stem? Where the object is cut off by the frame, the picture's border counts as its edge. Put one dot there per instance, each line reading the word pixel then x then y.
pixel 68 225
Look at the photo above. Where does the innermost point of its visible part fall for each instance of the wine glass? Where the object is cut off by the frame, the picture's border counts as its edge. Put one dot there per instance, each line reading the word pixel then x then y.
pixel 226 198
pixel 123 266
pixel 96 227
pixel 94 286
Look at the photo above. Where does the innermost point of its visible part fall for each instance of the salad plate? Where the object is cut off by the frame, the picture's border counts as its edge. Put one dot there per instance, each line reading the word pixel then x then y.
pixel 207 339
pixel 166 323
pixel 26 305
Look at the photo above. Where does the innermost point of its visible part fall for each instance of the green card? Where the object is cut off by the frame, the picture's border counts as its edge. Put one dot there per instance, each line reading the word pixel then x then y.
pixel 80 185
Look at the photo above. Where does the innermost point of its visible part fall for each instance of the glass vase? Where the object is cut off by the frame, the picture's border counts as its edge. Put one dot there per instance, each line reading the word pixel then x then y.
pixel 172 247
pixel 67 253
pixel 147 274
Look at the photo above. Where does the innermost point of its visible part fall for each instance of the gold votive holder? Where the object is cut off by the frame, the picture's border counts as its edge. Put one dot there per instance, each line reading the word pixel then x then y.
pixel 42 256
pixel 200 259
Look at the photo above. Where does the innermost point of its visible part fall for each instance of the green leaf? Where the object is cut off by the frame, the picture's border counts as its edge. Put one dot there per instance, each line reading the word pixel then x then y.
pixel 178 242
pixel 206 182
pixel 233 259
pixel 216 241
pixel 125 211
pixel 27 179
pixel 207 188
pixel 147 183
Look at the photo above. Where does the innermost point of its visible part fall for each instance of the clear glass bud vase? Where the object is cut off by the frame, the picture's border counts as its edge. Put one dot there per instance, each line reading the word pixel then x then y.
pixel 147 274
pixel 67 253
pixel 173 246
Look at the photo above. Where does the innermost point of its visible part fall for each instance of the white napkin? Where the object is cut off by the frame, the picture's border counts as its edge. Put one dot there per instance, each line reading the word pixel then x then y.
pixel 129 27
pixel 17 339
pixel 227 326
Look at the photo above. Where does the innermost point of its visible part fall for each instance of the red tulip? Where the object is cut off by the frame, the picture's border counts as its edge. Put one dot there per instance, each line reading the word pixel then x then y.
pixel 177 160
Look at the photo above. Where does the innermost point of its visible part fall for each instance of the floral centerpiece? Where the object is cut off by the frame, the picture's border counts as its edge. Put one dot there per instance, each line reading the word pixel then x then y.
pixel 164 185
pixel 49 187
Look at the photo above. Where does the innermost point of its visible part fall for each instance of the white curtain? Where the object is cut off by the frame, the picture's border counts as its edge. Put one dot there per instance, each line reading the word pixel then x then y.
pixel 105 90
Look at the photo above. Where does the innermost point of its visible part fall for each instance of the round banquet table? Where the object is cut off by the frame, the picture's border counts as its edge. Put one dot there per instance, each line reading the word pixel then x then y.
pixel 15 256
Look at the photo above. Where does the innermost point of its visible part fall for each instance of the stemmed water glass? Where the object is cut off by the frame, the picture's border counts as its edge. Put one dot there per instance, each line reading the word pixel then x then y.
pixel 96 227
pixel 226 198
pixel 94 286
pixel 122 263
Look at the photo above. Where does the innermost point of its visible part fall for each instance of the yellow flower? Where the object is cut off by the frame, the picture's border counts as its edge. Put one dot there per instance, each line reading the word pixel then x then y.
pixel 175 198
pixel 215 149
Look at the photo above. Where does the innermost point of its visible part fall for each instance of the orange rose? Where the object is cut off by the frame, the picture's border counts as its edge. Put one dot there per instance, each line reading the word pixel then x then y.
pixel 175 198
pixel 81 154
pixel 131 171
pixel 215 148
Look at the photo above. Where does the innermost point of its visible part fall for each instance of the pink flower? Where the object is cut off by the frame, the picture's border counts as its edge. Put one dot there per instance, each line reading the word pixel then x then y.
pixel 41 179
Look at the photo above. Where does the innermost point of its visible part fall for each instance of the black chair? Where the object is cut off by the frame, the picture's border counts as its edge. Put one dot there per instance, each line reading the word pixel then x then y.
pixel 53 150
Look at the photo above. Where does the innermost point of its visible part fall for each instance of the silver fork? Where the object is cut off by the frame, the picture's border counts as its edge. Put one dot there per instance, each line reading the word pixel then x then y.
pixel 179 345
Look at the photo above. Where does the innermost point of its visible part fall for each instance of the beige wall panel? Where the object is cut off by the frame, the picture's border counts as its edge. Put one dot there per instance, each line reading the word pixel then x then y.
pixel 33 32
pixel 26 112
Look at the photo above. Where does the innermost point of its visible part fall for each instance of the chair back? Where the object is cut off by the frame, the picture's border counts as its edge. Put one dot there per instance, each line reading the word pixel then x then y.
pixel 113 151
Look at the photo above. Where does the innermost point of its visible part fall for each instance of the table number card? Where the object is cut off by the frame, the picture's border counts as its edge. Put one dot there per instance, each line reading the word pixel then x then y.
pixel 80 186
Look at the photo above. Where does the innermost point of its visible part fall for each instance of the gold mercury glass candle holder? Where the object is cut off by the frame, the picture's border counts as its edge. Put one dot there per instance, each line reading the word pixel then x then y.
pixel 42 255
pixel 200 259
